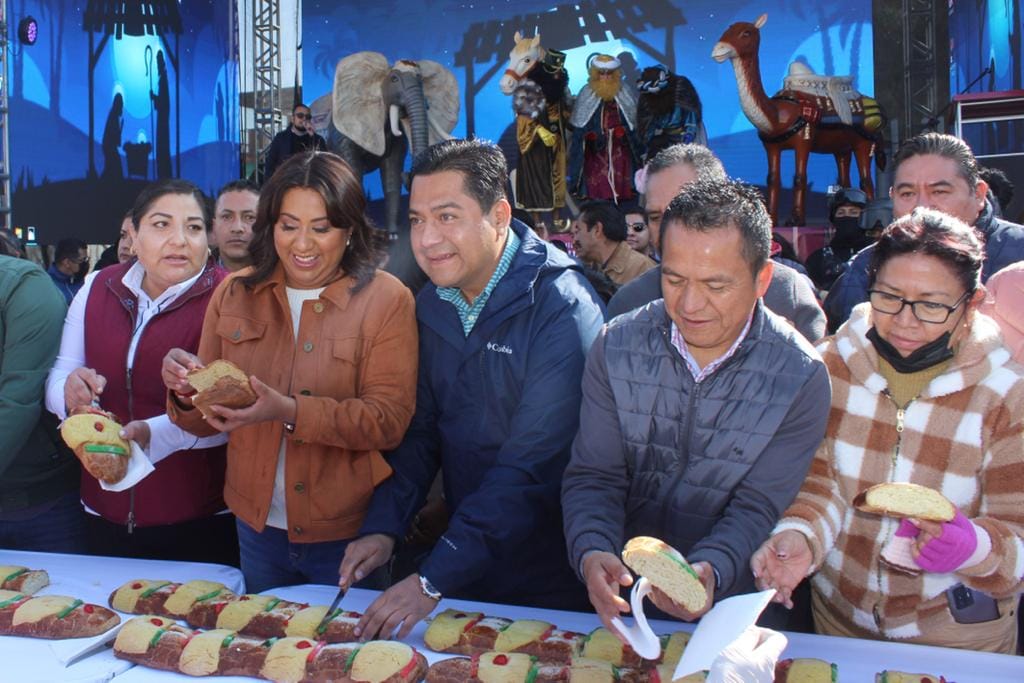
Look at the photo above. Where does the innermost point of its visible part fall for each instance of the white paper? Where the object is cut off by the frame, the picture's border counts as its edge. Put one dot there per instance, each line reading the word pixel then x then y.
pixel 719 628
pixel 70 649
pixel 640 636
pixel 139 468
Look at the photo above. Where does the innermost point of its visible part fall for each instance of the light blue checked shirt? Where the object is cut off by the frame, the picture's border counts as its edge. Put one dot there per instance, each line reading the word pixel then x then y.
pixel 468 313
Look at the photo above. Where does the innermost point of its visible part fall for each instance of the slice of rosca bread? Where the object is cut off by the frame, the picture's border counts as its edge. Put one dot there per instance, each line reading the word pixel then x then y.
pixel 900 677
pixel 502 667
pixel 52 616
pixel 221 383
pixel 160 643
pixel 165 598
pixel 23 579
pixel 805 670
pixel 95 438
pixel 667 570
pixel 900 499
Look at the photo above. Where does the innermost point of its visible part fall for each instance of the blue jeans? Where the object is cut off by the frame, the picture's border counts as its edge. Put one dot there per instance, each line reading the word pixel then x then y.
pixel 270 560
pixel 57 529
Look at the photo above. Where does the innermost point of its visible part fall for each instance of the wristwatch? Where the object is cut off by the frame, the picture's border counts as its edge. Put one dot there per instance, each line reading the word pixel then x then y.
pixel 428 589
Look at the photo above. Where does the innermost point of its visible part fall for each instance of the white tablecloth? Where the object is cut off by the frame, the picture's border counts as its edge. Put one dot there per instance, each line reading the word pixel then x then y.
pixel 92 579
pixel 858 660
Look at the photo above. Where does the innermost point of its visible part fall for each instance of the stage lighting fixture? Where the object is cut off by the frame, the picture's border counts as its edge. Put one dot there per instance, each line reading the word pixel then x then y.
pixel 28 30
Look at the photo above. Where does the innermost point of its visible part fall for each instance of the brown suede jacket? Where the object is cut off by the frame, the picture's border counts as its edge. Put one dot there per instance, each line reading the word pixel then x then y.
pixel 352 371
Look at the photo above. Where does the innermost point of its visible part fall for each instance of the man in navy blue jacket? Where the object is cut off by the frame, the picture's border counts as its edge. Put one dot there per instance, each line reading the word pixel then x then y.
pixel 505 326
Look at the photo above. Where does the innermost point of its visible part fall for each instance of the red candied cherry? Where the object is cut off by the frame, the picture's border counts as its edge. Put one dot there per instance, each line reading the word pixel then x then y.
pixel 500 660
pixel 87 609
pixel 156 622
pixel 219 607
pixel 98 426
pixel 136 585
pixel 303 644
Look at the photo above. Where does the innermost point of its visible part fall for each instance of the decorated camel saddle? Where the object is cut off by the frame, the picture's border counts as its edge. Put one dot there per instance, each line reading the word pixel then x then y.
pixel 829 100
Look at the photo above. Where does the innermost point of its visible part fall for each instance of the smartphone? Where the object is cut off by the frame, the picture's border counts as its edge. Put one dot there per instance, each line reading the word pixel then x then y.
pixel 970 606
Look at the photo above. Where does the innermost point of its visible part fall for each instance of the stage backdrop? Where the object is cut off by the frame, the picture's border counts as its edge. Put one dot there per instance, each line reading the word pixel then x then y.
pixel 474 39
pixel 163 100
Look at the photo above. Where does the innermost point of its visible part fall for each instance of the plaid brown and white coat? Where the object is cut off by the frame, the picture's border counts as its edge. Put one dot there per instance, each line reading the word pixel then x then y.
pixel 963 436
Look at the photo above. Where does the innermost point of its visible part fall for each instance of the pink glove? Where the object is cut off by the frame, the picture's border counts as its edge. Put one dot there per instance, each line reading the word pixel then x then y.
pixel 950 550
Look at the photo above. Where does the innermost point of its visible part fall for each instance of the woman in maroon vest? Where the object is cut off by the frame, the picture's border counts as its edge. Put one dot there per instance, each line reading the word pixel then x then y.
pixel 118 329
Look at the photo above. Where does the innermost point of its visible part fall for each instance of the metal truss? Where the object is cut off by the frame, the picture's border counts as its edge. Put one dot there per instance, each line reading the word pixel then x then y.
pixel 266 55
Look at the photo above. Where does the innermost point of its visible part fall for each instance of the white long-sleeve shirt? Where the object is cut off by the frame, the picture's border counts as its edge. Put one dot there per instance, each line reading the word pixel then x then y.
pixel 165 437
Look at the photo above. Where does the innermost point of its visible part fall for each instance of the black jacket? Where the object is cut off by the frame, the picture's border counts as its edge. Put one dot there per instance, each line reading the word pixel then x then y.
pixel 287 143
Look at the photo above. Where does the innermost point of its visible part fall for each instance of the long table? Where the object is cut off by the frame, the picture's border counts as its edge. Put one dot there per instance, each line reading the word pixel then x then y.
pixel 858 660
pixel 92 579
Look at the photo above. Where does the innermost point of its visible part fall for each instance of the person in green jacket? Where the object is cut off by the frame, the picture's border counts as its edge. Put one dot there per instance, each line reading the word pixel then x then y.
pixel 39 503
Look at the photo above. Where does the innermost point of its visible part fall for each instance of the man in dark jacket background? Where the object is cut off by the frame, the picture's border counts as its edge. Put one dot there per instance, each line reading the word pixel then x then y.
pixel 937 172
pixel 505 325
pixel 297 137
pixel 39 504
pixel 700 413
pixel 789 294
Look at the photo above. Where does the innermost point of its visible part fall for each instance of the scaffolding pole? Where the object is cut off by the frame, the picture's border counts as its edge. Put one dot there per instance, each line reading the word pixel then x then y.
pixel 5 152
pixel 266 55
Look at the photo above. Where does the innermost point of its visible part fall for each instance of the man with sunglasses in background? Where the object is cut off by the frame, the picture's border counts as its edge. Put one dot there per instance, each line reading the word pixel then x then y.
pixel 298 137
pixel 637 235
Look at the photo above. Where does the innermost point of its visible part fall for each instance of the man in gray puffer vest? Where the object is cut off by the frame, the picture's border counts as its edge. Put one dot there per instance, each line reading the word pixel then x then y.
pixel 700 413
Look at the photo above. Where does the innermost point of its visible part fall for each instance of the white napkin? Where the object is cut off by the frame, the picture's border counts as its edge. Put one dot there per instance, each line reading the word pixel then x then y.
pixel 717 629
pixel 139 468
pixel 69 649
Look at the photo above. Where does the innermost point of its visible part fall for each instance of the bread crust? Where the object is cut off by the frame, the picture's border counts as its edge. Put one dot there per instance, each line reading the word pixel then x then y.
pixel 667 570
pixel 77 619
pixel 154 602
pixel 94 436
pixel 464 670
pixel 28 581
pixel 229 387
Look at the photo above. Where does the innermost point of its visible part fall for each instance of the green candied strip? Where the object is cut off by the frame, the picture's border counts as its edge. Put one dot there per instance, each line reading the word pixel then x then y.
pixel 351 658
pixel 156 636
pixel 272 604
pixel 69 609
pixel 208 596
pixel 586 638
pixel 14 575
pixel 534 670
pixel 327 620
pixel 104 448
pixel 269 642
pixel 682 563
pixel 835 673
pixel 10 601
pixel 228 639
pixel 153 589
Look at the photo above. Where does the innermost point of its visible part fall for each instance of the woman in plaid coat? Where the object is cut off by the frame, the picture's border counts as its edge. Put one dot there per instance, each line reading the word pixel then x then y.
pixel 923 391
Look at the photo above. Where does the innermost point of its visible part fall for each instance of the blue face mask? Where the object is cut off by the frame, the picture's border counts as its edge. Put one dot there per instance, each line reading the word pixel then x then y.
pixel 928 356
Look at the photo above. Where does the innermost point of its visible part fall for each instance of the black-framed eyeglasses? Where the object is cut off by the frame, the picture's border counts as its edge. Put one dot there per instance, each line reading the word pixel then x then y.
pixel 301 115
pixel 926 311
pixel 637 227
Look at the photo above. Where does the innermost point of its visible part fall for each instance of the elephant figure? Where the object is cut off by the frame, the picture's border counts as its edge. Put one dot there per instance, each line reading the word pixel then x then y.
pixel 376 106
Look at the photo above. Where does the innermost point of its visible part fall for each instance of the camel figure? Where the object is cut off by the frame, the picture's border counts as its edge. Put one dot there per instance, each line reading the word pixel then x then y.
pixel 811 113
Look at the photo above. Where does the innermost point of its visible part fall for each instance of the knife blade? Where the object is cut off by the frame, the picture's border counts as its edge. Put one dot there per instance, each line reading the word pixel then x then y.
pixel 330 611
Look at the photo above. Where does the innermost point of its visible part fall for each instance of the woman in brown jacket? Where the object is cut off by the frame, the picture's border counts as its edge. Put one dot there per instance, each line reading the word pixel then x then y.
pixel 330 345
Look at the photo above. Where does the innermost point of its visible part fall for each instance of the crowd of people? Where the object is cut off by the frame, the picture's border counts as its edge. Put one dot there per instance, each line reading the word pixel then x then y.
pixel 516 424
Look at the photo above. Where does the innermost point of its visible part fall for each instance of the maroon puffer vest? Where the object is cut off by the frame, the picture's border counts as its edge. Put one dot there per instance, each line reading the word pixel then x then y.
pixel 188 484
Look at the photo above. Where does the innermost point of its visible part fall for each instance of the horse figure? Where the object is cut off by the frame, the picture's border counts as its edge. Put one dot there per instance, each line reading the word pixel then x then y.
pixel 537 80
pixel 810 114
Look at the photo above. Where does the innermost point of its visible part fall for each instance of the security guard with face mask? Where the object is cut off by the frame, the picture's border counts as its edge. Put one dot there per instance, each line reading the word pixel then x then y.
pixel 845 208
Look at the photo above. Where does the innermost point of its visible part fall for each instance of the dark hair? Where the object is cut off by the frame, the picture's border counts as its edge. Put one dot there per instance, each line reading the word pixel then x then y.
pixel 240 185
pixel 937 234
pixel 706 205
pixel 154 191
pixel 68 248
pixel 608 215
pixel 481 163
pixel 704 162
pixel 328 175
pixel 1000 185
pixel 296 106
pixel 941 145
pixel 10 245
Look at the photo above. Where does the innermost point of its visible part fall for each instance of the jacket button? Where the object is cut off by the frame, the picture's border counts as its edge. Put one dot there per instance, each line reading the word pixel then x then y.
pixel 297 529
pixel 307 347
pixel 306 392
pixel 300 487
pixel 236 335
pixel 318 307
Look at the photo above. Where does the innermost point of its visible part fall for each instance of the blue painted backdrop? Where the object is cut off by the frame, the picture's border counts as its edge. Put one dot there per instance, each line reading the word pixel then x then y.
pixel 49 96
pixel 833 38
